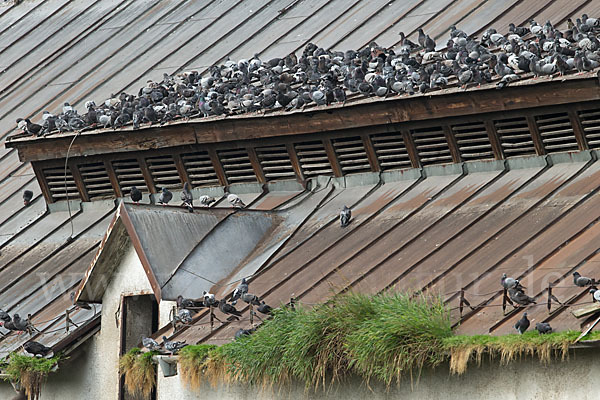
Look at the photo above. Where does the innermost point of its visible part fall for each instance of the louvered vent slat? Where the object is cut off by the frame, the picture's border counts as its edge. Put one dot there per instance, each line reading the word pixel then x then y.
pixel 473 141
pixel 515 137
pixel 313 158
pixel 200 169
pixel 432 146
pixel 391 151
pixel 96 180
pixel 55 178
pixel 237 166
pixel 590 120
pixel 164 172
pixel 129 174
pixel 275 162
pixel 351 155
pixel 556 132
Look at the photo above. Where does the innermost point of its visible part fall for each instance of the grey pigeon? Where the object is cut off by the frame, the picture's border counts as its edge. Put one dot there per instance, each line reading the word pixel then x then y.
pixel 581 281
pixel 242 332
pixel 184 315
pixel 27 196
pixel 227 308
pixel 206 200
pixel 345 216
pixel 37 349
pixel 519 297
pixel 250 299
pixel 209 299
pixel 165 196
pixel 239 291
pixel 523 324
pixel 543 328
pixel 508 282
pixel 173 347
pixel 150 344
pixel 4 317
pixel 189 303
pixel 20 324
pixel 264 308
pixel 594 292
pixel 135 194
pixel 187 198
pixel 235 201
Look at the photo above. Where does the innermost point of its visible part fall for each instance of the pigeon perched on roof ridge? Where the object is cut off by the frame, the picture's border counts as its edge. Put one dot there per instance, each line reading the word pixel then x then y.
pixel 165 196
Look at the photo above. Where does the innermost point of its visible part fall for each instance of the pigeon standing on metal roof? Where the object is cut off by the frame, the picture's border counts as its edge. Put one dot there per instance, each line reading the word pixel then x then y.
pixel 239 291
pixel 594 292
pixel 173 347
pixel 227 308
pixel 150 343
pixel 206 200
pixel 345 216
pixel 27 196
pixel 184 315
pixel 189 303
pixel 518 296
pixel 242 332
pixel 37 349
pixel 187 197
pixel 509 283
pixel 165 196
pixel 543 328
pixel 209 299
pixel 264 308
pixel 235 201
pixel 135 194
pixel 4 317
pixel 523 324
pixel 582 281
pixel 250 299
pixel 33 129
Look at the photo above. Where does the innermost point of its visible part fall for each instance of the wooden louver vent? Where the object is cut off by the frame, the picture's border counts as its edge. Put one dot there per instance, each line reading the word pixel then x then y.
pixel 96 181
pixel 200 169
pixel 556 132
pixel 164 172
pixel 313 158
pixel 351 154
pixel 55 178
pixel 275 162
pixel 129 174
pixel 432 146
pixel 237 166
pixel 391 151
pixel 515 137
pixel 590 120
pixel 473 141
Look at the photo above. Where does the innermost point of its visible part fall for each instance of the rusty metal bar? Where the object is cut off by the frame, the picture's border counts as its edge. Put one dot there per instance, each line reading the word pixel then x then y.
pixel 335 164
pixel 183 174
pixel 78 181
pixel 535 135
pixel 39 174
pixel 371 154
pixel 113 178
pixel 454 151
pixel 256 165
pixel 578 130
pixel 214 157
pixel 410 148
pixel 295 161
pixel 494 139
pixel 146 173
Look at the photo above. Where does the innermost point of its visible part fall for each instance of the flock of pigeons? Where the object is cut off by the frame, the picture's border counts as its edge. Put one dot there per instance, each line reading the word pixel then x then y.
pixel 322 77
pixel 517 297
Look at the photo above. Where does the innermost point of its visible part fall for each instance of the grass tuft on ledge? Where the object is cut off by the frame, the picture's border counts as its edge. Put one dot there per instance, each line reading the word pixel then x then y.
pixel 139 371
pixel 30 372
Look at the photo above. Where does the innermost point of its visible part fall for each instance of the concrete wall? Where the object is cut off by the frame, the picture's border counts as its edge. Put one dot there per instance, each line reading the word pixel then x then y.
pixel 575 379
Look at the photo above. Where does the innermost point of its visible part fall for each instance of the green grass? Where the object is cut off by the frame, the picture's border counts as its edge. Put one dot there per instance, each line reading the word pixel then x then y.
pixel 30 372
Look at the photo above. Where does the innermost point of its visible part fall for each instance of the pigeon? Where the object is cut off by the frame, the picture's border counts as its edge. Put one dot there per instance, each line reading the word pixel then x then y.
pixel 239 291
pixel 4 317
pixel 135 194
pixel 20 324
pixel 206 200
pixel 184 315
pixel 242 332
pixel 150 344
pixel 235 201
pixel 250 299
pixel 227 308
pixel 581 281
pixel 37 349
pixel 27 196
pixel 345 216
pixel 173 347
pixel 264 308
pixel 507 282
pixel 519 297
pixel 543 328
pixel 594 292
pixel 165 196
pixel 189 303
pixel 32 129
pixel 523 324
pixel 209 299
pixel 187 198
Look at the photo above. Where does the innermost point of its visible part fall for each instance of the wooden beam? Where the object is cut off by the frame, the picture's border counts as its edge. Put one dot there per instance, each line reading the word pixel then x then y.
pixel 39 174
pixel 256 165
pixel 578 130
pixel 371 154
pixel 183 174
pixel 535 136
pixel 214 157
pixel 361 113
pixel 454 151
pixel 295 161
pixel 146 173
pixel 83 194
pixel 411 149
pixel 113 178
pixel 333 160
pixel 494 139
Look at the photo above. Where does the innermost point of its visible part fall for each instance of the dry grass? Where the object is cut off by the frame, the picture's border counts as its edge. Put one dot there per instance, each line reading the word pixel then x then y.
pixel 139 372
pixel 30 372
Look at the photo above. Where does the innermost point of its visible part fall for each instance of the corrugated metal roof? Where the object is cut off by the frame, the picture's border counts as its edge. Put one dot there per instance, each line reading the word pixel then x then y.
pixel 53 51
pixel 443 233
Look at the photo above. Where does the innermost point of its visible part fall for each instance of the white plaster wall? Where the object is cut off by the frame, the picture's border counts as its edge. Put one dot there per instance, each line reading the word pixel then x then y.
pixel 576 379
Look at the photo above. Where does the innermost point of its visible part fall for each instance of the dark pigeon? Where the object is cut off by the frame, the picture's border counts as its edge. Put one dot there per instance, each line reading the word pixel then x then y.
pixel 543 328
pixel 228 309
pixel 187 198
pixel 165 196
pixel 27 196
pixel 517 296
pixel 345 216
pixel 264 308
pixel 523 324
pixel 250 299
pixel 242 332
pixel 189 303
pixel 135 194
pixel 37 349
pixel 184 315
pixel 173 347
